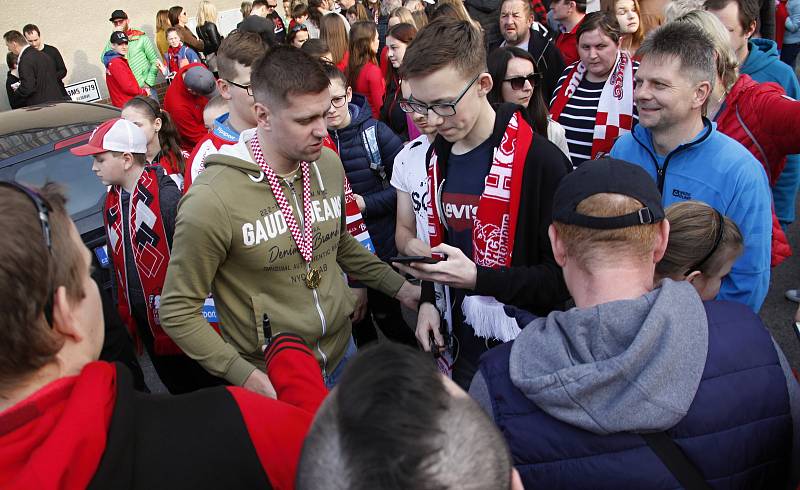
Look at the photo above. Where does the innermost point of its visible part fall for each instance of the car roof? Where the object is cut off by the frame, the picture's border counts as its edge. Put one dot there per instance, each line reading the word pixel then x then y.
pixel 22 130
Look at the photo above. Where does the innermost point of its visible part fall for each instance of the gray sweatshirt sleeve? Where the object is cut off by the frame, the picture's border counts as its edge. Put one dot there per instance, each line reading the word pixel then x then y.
pixel 479 392
pixel 794 408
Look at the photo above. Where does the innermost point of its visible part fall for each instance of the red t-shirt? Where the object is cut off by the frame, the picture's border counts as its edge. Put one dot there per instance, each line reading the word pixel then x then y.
pixel 567 43
pixel 370 84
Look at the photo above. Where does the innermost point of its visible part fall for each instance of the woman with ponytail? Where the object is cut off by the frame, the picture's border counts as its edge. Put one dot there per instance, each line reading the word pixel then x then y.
pixel 163 140
pixel 363 73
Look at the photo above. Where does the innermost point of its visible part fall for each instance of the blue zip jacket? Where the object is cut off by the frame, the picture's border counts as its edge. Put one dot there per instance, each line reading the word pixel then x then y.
pixel 717 170
pixel 763 64
pixel 380 214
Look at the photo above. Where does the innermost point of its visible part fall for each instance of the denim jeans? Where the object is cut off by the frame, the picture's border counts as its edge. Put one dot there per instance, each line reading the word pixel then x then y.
pixel 333 378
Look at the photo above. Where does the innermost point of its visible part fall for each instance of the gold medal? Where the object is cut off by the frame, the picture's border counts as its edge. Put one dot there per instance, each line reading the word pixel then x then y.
pixel 313 278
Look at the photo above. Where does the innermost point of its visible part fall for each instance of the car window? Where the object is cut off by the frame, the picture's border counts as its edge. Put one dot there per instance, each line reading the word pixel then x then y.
pixel 84 190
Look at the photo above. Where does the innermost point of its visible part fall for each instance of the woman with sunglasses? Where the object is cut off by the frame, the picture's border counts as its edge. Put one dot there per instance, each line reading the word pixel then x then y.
pixel 178 18
pixel 516 80
pixel 397 39
pixel 594 97
pixel 298 35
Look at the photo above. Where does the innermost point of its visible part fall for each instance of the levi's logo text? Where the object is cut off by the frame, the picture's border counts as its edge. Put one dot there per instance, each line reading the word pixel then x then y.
pixel 272 225
pixel 460 210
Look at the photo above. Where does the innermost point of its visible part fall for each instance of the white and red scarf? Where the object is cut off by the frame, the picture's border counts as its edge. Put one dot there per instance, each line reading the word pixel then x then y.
pixel 615 109
pixel 145 230
pixel 494 226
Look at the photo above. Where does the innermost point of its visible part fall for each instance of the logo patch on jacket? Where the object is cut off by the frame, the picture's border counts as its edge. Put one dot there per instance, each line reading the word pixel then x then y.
pixel 681 194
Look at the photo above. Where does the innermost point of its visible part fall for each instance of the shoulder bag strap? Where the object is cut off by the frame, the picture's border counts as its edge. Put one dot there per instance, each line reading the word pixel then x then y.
pixel 676 461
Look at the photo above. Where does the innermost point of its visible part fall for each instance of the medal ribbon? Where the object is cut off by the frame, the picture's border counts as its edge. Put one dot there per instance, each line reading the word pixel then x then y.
pixel 303 241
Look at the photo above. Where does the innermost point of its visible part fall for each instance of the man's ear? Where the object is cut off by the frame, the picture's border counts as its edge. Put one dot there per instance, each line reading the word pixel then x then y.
pixel 349 94
pixel 701 93
pixel 224 88
pixel 128 160
pixel 263 116
pixel 694 275
pixel 485 84
pixel 63 318
pixel 662 239
pixel 559 251
pixel 751 31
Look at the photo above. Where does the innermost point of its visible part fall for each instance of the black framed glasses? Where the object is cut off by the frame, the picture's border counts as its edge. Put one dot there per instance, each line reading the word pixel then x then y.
pixel 339 101
pixel 517 83
pixel 248 87
pixel 443 109
pixel 43 213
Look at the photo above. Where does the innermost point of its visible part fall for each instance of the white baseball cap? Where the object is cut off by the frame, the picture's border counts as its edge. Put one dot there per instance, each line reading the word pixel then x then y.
pixel 114 135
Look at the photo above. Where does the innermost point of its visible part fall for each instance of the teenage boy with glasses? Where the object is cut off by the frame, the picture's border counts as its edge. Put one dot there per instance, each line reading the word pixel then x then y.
pixel 491 182
pixel 367 149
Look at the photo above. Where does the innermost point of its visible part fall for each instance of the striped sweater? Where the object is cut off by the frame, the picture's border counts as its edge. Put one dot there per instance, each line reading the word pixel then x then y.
pixel 578 116
pixel 142 57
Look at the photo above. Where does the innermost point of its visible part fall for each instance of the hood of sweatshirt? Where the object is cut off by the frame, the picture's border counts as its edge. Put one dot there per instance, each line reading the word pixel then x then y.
pixel 109 56
pixel 360 111
pixel 56 437
pixel 625 366
pixel 237 155
pixel 763 52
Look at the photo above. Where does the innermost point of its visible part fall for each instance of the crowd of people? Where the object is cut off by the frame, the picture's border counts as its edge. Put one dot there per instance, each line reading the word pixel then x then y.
pixel 579 203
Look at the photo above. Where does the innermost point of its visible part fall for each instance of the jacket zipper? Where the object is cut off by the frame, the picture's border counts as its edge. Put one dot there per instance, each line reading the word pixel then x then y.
pixel 314 292
pixel 661 172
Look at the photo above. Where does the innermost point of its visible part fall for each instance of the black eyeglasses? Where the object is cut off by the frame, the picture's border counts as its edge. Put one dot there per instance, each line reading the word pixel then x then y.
pixel 339 101
pixel 248 87
pixel 442 109
pixel 517 83
pixel 272 6
pixel 43 213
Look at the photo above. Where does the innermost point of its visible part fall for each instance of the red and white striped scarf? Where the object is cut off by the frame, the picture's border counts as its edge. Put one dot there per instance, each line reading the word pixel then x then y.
pixel 615 108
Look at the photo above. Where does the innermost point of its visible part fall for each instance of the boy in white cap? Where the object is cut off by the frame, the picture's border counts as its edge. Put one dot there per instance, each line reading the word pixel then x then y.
pixel 139 215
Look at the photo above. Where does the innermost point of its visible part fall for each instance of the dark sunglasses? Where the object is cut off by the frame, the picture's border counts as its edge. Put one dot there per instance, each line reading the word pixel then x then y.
pixel 43 213
pixel 517 83
pixel 299 27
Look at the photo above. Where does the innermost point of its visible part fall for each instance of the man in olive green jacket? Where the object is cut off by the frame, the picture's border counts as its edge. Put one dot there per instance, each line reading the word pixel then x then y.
pixel 233 239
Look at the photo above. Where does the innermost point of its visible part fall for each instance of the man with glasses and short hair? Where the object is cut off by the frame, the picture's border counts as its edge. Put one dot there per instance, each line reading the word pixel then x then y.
pixel 491 186
pixel 235 56
pixel 142 56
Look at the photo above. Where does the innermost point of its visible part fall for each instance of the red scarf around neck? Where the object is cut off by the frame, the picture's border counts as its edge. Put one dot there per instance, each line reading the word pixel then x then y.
pixel 496 220
pixel 148 240
pixel 173 58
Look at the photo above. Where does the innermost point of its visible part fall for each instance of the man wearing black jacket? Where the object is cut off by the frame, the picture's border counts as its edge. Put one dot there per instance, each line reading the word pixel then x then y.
pixel 491 184
pixel 519 29
pixel 37 72
pixel 34 38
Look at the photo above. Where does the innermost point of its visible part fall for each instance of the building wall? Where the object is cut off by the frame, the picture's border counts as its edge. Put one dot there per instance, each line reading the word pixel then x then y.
pixel 80 31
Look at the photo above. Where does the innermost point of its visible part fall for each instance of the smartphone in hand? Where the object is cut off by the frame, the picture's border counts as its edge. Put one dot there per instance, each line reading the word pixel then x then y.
pixel 402 259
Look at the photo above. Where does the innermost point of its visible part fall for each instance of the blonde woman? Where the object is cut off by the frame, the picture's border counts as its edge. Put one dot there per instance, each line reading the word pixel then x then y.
pixel 401 15
pixel 208 33
pixel 162 24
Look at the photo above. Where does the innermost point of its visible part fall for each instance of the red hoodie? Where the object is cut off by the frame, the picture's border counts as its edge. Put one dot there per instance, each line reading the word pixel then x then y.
pixel 57 437
pixel 765 121
pixel 122 85
pixel 186 110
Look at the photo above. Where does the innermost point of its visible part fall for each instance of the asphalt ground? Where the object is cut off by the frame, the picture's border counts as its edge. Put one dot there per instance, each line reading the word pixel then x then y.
pixel 777 312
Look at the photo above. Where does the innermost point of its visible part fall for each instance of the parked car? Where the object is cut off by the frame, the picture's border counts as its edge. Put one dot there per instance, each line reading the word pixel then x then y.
pixel 34 150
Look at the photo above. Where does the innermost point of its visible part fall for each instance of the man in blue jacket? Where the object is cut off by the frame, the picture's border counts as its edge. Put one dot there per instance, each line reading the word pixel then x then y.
pixel 759 58
pixel 690 159
pixel 367 149
pixel 582 395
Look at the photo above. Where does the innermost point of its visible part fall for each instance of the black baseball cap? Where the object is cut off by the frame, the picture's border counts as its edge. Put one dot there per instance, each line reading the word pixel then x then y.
pixel 118 37
pixel 607 175
pixel 118 14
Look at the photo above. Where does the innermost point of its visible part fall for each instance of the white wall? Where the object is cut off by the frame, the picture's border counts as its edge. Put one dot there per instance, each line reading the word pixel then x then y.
pixel 80 30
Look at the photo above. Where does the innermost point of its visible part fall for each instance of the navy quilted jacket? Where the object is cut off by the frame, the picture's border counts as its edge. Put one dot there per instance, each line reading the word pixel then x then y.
pixel 737 430
pixel 381 203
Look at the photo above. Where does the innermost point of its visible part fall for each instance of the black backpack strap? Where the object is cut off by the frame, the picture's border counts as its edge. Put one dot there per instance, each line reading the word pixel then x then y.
pixel 676 461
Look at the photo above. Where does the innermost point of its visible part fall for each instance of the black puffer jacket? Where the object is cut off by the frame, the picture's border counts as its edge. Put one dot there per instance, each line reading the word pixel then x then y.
pixel 210 36
pixel 381 202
